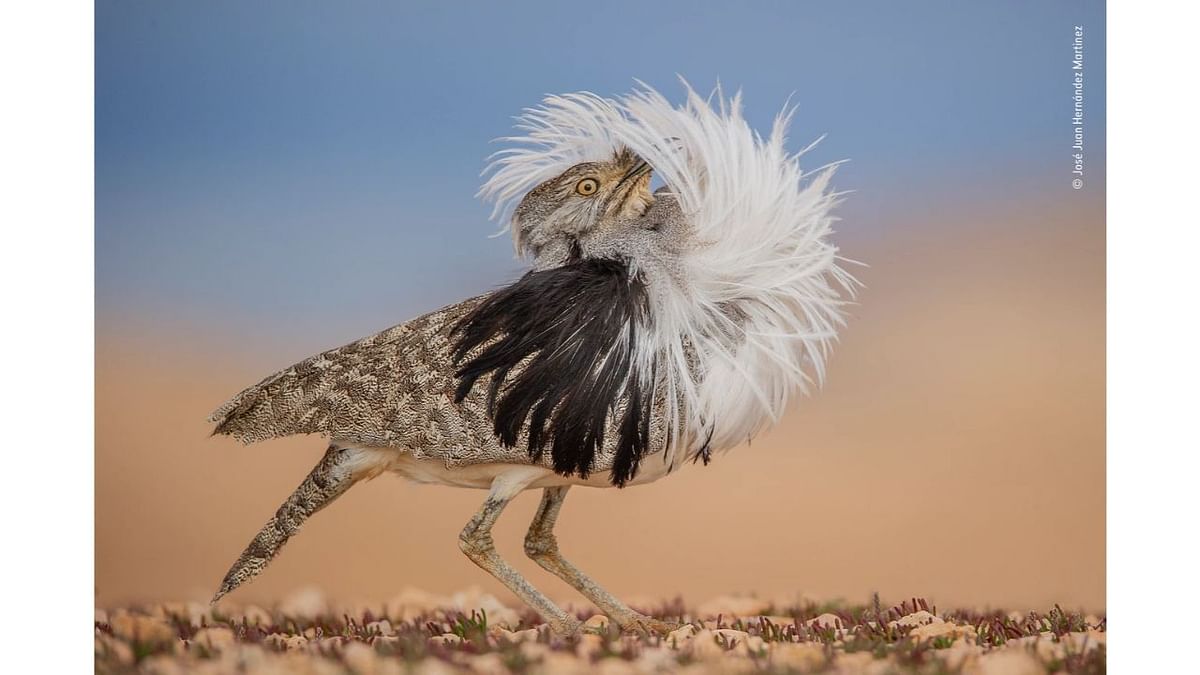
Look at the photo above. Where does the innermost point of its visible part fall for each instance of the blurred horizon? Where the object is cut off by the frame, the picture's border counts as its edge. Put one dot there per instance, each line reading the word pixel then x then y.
pixel 276 179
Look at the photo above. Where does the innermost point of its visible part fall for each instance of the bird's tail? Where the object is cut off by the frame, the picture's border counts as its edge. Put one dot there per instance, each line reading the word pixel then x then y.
pixel 332 476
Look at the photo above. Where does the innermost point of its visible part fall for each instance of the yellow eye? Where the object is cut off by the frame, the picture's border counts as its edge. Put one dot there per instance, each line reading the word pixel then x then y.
pixel 587 187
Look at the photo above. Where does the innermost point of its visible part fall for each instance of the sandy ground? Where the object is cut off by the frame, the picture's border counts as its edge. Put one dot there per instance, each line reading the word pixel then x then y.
pixel 471 631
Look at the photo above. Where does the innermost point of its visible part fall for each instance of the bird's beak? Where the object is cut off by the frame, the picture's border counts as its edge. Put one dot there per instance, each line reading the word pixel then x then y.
pixel 640 169
pixel 631 185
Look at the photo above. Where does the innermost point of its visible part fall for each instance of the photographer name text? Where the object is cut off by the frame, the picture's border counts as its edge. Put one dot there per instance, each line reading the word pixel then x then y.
pixel 1077 109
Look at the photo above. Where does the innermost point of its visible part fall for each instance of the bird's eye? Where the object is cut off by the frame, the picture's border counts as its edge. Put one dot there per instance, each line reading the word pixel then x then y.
pixel 587 187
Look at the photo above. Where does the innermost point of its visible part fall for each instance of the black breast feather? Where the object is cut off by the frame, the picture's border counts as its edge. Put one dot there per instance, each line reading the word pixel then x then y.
pixel 557 346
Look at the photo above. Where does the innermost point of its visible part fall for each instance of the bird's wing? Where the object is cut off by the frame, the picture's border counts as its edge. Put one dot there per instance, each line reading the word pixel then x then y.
pixel 394 388
pixel 553 349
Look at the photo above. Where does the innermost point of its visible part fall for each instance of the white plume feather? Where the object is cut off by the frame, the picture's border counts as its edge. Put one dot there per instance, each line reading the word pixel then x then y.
pixel 763 294
pixel 564 131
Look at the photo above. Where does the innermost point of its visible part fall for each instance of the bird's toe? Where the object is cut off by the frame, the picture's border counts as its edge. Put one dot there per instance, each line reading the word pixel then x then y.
pixel 565 627
pixel 648 625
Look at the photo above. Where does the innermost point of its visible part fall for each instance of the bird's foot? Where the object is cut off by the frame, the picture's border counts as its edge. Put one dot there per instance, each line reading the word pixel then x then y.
pixel 648 625
pixel 564 627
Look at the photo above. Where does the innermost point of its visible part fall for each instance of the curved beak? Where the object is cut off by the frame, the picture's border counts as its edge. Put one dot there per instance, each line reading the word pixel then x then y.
pixel 627 187
pixel 639 169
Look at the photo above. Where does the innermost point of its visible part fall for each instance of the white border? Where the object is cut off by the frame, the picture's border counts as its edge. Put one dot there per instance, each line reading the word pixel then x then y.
pixel 46 344
pixel 1153 338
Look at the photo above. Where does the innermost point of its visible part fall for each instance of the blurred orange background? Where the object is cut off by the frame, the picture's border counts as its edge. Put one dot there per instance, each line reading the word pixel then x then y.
pixel 956 453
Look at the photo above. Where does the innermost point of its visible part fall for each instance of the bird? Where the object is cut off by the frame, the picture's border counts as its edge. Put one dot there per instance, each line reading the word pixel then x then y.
pixel 652 328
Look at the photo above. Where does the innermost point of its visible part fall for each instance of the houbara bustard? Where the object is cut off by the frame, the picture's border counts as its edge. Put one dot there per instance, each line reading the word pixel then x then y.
pixel 653 329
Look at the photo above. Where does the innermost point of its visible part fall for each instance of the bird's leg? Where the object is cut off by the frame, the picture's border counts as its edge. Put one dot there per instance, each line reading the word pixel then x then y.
pixel 541 545
pixel 476 542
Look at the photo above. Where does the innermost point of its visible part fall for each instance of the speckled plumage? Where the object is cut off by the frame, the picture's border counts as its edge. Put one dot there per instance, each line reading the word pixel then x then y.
pixel 393 389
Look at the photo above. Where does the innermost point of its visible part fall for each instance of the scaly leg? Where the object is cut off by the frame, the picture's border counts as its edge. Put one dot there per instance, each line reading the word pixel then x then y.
pixel 542 546
pixel 476 541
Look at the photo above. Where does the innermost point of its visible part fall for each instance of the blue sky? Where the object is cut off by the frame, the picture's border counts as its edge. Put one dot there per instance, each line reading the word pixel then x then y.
pixel 266 164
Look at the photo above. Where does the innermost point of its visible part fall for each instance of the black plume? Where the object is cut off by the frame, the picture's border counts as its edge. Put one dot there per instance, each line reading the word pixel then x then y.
pixel 558 344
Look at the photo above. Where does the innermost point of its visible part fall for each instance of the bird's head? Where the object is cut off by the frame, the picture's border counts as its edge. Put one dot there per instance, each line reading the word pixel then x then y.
pixel 552 217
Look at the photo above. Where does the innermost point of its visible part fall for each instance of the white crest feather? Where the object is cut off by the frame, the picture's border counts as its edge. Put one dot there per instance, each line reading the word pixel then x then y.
pixel 564 131
pixel 764 295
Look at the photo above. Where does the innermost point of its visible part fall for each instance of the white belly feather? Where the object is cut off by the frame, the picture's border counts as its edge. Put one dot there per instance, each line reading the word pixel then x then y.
pixel 371 462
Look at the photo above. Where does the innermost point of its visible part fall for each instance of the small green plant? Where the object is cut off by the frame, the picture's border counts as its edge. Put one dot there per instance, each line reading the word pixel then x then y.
pixel 473 628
